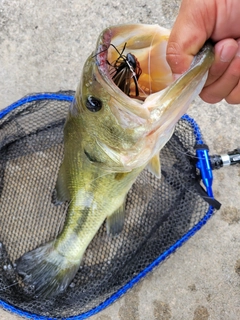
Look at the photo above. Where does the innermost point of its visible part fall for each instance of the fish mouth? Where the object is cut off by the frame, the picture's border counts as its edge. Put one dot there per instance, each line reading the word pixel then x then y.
pixel 131 64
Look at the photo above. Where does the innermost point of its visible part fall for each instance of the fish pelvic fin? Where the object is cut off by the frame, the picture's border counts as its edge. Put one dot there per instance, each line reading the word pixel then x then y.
pixel 46 270
pixel 154 166
pixel 115 222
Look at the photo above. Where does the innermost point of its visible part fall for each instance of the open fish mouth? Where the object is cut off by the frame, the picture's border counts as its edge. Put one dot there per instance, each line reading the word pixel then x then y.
pixel 130 66
pixel 131 61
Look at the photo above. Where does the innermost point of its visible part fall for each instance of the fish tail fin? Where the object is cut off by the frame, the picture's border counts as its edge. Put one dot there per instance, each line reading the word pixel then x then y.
pixel 46 270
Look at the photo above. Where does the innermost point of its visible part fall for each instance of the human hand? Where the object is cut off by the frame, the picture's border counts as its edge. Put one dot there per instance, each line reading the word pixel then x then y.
pixel 198 21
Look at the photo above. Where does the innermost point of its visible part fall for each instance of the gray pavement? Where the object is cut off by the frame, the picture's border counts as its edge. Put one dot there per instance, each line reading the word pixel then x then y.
pixel 43 45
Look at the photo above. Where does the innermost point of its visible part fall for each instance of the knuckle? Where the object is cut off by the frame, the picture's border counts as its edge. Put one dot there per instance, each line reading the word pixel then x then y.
pixel 234 69
pixel 234 73
pixel 173 48
pixel 177 59
pixel 233 98
pixel 210 96
pixel 173 53
pixel 217 70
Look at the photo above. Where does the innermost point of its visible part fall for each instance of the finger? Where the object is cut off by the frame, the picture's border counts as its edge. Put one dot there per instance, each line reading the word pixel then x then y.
pixel 225 51
pixel 192 28
pixel 234 96
pixel 180 53
pixel 224 87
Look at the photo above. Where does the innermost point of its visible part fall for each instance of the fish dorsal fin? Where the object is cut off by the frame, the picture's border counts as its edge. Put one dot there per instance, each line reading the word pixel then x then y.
pixel 115 222
pixel 154 166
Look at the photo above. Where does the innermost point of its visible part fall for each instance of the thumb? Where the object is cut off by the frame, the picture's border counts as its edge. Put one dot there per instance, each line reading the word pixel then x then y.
pixel 178 59
pixel 189 34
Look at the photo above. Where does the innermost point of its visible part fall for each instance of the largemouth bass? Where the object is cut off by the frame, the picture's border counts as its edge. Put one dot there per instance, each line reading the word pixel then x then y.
pixel 124 112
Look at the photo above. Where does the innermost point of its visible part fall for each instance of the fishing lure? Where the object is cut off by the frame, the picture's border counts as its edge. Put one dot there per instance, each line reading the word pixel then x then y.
pixel 125 69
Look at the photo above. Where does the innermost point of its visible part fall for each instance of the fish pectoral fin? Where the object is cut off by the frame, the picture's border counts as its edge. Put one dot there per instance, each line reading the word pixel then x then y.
pixel 60 193
pixel 115 222
pixel 154 166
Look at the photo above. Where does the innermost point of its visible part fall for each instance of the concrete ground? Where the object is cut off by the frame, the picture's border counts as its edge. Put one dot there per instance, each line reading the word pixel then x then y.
pixel 43 45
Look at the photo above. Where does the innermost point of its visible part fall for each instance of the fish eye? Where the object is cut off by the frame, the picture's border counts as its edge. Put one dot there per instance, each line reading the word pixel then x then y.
pixel 93 104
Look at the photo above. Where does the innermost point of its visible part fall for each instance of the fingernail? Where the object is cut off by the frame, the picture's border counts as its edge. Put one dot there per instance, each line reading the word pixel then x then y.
pixel 228 53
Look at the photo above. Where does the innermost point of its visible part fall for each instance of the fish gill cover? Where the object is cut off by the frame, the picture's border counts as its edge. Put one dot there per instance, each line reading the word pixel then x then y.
pixel 160 214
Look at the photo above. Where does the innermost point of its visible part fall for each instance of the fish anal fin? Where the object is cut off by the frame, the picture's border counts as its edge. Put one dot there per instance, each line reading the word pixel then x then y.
pixel 154 166
pixel 61 193
pixel 115 222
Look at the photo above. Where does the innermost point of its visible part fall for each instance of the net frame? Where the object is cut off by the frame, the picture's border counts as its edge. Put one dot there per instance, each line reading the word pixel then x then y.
pixel 151 266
